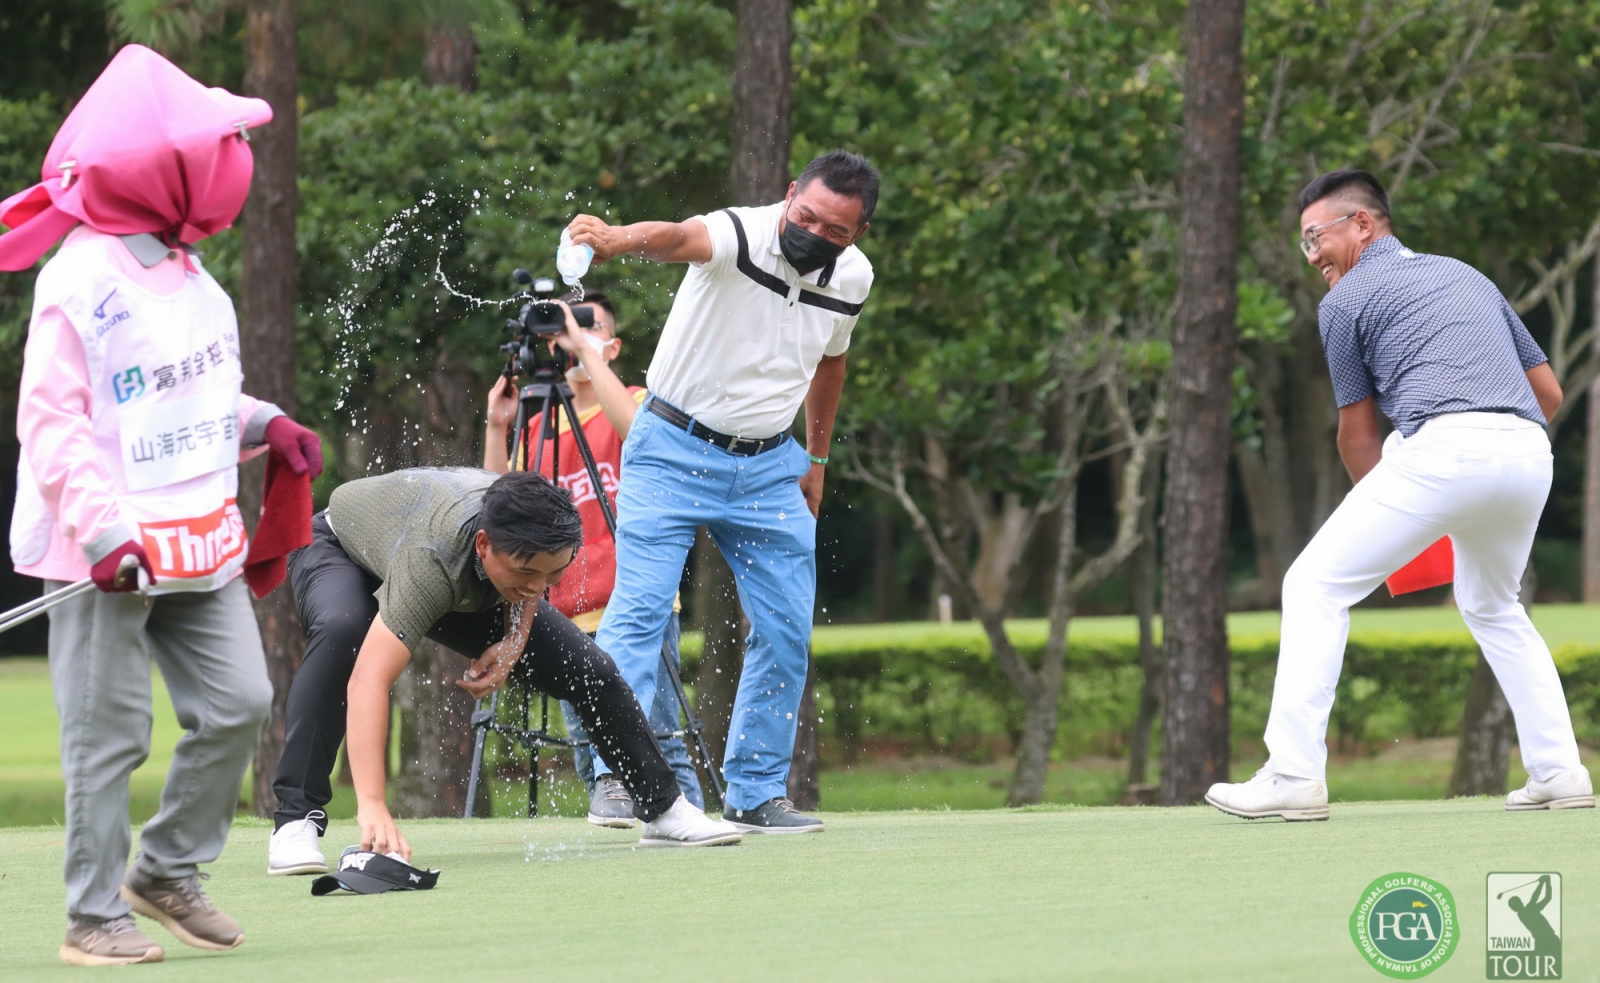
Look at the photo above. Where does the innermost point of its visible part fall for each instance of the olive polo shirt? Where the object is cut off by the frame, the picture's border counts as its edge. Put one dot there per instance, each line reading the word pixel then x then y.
pixel 414 530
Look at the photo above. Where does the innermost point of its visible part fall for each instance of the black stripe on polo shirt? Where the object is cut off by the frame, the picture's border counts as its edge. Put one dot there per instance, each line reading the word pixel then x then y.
pixel 776 283
pixel 827 303
pixel 771 281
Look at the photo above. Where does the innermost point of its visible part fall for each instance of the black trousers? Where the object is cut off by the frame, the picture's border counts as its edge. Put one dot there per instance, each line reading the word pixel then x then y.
pixel 335 597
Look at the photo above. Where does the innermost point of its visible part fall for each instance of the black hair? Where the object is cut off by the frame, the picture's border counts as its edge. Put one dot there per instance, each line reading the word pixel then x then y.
pixel 523 514
pixel 1356 187
pixel 844 173
pixel 594 297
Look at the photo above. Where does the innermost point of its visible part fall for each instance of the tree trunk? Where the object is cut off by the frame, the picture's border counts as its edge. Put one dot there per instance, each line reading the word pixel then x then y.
pixel 804 788
pixel 451 58
pixel 1195 737
pixel 885 568
pixel 717 615
pixel 762 87
pixel 435 736
pixel 1142 585
pixel 1483 744
pixel 1591 471
pixel 1264 477
pixel 1040 719
pixel 1483 749
pixel 1041 689
pixel 762 84
pixel 267 323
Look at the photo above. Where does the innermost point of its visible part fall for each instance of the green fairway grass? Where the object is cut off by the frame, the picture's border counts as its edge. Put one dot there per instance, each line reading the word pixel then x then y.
pixel 1046 894
pixel 1558 623
pixel 30 762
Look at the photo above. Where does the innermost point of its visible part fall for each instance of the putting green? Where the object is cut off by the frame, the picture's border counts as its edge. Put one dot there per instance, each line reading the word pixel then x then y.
pixel 1082 893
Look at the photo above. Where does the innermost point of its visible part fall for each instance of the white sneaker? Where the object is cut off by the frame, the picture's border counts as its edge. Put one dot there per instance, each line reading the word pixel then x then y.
pixel 1568 790
pixel 293 848
pixel 1270 794
pixel 684 825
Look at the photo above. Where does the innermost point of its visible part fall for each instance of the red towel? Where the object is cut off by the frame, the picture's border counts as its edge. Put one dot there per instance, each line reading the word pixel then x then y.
pixel 285 525
pixel 1434 566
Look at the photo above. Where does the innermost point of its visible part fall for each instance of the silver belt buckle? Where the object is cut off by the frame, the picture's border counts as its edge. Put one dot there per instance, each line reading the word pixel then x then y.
pixel 735 442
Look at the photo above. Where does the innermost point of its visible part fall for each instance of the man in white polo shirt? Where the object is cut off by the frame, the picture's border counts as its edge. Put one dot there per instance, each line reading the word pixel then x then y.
pixel 759 327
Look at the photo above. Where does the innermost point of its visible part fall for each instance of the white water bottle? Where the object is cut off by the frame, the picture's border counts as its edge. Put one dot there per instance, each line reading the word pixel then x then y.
pixel 572 261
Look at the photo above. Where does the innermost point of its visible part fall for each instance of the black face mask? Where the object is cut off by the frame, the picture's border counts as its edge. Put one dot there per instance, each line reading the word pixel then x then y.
pixel 806 251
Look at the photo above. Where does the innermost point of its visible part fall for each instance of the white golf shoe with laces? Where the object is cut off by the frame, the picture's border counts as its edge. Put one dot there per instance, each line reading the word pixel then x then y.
pixel 685 825
pixel 293 848
pixel 1270 794
pixel 1567 790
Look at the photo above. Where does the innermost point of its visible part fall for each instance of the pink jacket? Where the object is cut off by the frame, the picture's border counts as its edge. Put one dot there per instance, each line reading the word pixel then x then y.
pixel 81 491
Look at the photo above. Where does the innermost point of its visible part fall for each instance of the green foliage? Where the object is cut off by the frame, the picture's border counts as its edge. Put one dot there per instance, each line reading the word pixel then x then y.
pixel 26 128
pixel 167 25
pixel 404 180
pixel 1017 142
pixel 54 48
pixel 936 688
pixel 1455 103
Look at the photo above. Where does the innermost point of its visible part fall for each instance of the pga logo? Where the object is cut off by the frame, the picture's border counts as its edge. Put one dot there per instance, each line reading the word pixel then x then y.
pixel 1405 925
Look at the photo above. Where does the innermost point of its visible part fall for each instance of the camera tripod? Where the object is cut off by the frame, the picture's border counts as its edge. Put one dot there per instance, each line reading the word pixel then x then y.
pixel 547 392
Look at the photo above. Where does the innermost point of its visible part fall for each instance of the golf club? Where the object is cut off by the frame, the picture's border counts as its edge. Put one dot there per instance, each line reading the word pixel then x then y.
pixel 34 608
pixel 1517 888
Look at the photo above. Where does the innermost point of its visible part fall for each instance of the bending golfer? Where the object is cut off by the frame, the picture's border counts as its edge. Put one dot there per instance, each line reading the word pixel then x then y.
pixel 1433 344
pixel 759 327
pixel 606 409
pixel 131 422
pixel 439 553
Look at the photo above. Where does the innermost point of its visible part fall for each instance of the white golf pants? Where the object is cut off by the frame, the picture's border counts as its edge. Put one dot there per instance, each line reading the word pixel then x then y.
pixel 1481 479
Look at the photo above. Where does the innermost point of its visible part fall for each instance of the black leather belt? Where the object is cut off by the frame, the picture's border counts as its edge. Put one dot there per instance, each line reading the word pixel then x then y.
pixel 742 446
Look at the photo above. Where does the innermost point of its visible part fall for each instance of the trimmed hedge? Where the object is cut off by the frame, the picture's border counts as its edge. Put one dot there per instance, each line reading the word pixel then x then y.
pixel 936 687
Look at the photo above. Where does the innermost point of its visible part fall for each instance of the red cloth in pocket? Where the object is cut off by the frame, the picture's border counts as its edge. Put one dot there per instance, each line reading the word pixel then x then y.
pixel 285 525
pixel 1434 566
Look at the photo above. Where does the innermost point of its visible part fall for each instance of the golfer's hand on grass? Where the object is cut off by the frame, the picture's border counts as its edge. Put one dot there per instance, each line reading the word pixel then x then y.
pixel 811 488
pixel 379 833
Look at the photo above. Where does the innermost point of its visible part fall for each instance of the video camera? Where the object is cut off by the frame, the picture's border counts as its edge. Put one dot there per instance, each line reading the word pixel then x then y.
pixel 540 320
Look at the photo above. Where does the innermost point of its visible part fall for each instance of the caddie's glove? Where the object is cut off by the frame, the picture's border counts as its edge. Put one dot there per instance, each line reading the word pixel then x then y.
pixel 301 449
pixel 110 576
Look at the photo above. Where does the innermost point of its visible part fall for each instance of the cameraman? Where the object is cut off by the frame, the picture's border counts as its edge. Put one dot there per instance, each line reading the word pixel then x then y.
pixel 605 412
pixel 437 553
pixel 759 327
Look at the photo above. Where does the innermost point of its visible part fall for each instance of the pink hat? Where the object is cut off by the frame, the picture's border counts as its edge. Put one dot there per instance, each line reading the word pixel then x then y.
pixel 147 149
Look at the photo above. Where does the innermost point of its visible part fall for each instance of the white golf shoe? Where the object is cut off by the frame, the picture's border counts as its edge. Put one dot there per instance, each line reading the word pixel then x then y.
pixel 1270 794
pixel 293 848
pixel 1568 790
pixel 684 825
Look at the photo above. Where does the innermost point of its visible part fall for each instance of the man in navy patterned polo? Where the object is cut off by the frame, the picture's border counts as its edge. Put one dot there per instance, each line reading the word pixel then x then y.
pixel 1432 343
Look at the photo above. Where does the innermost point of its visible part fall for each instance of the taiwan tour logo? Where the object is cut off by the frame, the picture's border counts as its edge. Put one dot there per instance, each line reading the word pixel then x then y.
pixel 1405 925
pixel 1524 926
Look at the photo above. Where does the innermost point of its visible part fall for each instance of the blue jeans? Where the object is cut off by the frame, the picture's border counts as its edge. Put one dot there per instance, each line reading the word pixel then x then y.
pixel 754 510
pixel 663 719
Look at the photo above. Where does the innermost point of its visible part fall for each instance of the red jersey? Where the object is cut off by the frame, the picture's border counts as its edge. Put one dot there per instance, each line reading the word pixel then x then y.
pixel 586 587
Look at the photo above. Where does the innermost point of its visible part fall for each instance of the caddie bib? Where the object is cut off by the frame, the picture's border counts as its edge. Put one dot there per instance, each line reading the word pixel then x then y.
pixel 165 377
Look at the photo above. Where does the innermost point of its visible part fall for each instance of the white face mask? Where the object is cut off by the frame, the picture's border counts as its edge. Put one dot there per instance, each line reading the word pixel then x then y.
pixel 596 342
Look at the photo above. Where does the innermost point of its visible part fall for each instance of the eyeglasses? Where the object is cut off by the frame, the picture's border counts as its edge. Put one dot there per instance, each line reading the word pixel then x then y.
pixel 1312 240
